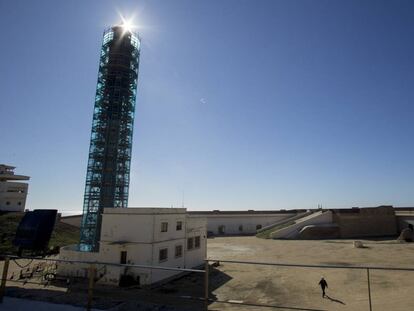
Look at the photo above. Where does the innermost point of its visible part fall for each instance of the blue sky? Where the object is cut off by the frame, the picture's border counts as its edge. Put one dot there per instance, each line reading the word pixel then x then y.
pixel 241 104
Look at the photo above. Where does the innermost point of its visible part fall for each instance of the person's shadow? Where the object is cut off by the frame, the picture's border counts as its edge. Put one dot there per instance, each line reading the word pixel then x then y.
pixel 335 300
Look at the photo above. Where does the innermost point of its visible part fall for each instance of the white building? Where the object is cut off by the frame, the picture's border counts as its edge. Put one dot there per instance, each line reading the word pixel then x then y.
pixel 12 194
pixel 242 222
pixel 143 236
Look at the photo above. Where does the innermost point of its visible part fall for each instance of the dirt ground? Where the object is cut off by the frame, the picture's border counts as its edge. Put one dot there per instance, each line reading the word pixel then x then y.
pixel 298 287
pixel 248 286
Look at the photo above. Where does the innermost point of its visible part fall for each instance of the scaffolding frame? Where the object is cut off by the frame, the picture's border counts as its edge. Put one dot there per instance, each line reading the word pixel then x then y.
pixel 108 169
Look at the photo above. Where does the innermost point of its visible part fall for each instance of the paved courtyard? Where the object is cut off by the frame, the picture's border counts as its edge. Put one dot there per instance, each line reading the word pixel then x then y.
pixel 298 287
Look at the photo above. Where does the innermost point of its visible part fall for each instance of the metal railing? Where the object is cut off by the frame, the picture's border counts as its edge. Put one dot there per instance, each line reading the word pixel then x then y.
pixel 92 273
pixel 206 299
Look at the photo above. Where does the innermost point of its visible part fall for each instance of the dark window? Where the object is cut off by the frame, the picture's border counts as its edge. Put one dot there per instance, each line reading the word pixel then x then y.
pixel 190 243
pixel 179 225
pixel 163 254
pixel 164 226
pixel 241 228
pixel 221 229
pixel 123 260
pixel 197 242
pixel 178 251
pixel 258 227
pixel 7 203
pixel 20 203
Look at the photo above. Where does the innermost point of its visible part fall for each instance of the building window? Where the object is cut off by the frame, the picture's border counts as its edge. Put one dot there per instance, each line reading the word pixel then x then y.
pixel 241 228
pixel 108 37
pixel 258 227
pixel 190 243
pixel 7 203
pixel 163 254
pixel 222 229
pixel 164 226
pixel 197 242
pixel 178 251
pixel 179 225
pixel 123 260
pixel 19 203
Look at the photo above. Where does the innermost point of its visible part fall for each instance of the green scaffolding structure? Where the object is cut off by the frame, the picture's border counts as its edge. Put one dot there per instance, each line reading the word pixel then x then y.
pixel 107 177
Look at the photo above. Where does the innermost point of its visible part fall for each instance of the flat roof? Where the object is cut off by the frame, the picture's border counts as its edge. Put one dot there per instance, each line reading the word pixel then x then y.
pixel 248 212
pixel 144 210
pixel 5 177
pixel 173 210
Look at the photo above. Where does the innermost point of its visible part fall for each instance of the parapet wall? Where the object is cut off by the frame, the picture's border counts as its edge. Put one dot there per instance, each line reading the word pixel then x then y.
pixel 366 222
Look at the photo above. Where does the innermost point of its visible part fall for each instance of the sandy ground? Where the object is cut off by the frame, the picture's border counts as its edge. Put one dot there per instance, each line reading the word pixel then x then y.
pixel 285 287
pixel 298 287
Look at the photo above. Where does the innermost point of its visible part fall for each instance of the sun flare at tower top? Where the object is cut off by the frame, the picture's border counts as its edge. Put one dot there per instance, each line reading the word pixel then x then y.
pixel 127 24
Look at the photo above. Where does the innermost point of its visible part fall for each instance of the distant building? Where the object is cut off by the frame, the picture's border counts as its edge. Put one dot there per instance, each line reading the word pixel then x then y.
pixel 167 237
pixel 242 222
pixel 12 194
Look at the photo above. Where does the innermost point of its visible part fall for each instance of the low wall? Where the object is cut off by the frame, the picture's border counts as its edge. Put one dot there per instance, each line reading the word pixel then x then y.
pixel 366 222
pixel 71 252
pixel 319 232
pixel 240 223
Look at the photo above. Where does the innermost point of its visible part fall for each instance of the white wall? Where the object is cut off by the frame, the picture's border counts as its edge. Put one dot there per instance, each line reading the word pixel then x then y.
pixel 70 252
pixel 13 196
pixel 232 222
pixel 196 227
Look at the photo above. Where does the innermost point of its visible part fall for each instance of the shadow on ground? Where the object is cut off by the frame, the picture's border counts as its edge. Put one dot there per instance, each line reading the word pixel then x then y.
pixel 185 293
pixel 335 300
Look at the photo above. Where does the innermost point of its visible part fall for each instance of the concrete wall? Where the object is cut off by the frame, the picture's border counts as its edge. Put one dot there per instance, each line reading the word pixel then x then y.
pixel 319 232
pixel 196 226
pixel 240 224
pixel 366 222
pixel 13 196
pixel 71 252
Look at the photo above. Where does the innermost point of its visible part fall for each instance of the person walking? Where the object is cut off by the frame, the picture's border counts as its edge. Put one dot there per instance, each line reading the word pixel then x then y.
pixel 323 285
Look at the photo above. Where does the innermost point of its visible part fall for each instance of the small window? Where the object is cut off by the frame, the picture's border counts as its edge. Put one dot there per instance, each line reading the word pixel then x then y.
pixel 178 251
pixel 258 227
pixel 179 225
pixel 163 254
pixel 197 242
pixel 19 203
pixel 241 228
pixel 123 260
pixel 7 203
pixel 222 229
pixel 164 226
pixel 190 243
pixel 108 37
pixel 135 41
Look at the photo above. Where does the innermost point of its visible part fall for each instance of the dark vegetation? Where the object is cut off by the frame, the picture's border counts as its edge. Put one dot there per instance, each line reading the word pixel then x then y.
pixel 62 235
